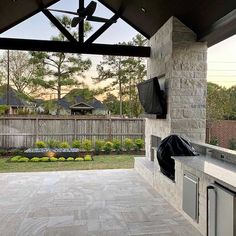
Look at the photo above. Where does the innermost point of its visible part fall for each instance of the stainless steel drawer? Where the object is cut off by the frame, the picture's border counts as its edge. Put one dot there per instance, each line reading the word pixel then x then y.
pixel 190 195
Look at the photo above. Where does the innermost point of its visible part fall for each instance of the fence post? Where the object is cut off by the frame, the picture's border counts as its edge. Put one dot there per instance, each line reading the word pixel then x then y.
pixel 75 133
pixel 37 129
pixel 110 128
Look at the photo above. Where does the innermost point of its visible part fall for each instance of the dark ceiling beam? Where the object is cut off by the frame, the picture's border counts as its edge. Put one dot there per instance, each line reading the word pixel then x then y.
pixel 59 26
pixel 124 19
pixel 220 30
pixel 81 24
pixel 102 29
pixel 73 47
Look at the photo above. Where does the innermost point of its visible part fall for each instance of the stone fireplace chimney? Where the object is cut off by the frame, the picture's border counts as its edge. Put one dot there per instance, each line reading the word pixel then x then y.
pixel 176 53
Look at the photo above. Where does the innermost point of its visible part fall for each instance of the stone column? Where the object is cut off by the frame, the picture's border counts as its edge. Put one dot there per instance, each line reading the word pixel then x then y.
pixel 176 53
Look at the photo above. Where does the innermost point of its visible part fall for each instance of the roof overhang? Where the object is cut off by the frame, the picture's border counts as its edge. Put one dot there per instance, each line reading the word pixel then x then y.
pixel 202 16
pixel 81 106
pixel 13 12
pixel 212 21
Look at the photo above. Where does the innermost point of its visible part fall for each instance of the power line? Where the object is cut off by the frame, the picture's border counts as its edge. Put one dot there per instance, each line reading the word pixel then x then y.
pixel 209 70
pixel 225 62
pixel 220 81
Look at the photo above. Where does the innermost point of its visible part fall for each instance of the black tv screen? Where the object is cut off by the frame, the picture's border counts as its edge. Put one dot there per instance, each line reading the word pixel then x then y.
pixel 152 97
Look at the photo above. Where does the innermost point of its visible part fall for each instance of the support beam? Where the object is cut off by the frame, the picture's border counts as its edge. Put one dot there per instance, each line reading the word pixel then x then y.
pixel 73 47
pixel 54 20
pixel 220 30
pixel 81 24
pixel 102 29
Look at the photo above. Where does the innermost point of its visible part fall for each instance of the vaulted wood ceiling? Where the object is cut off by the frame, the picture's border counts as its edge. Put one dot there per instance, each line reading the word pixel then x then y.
pixel 212 21
pixel 13 12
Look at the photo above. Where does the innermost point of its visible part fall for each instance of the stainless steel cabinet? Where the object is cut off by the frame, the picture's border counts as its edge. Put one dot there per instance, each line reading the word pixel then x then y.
pixel 221 211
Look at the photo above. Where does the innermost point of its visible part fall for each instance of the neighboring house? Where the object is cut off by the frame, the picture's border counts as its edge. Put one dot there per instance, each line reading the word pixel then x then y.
pixel 79 106
pixel 16 102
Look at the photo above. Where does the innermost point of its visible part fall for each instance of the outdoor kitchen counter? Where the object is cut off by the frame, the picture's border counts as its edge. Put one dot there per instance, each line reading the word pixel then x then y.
pixel 220 170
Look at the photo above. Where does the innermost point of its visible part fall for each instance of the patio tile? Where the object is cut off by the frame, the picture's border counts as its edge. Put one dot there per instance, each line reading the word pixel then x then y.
pixel 102 202
pixel 67 231
pixel 31 226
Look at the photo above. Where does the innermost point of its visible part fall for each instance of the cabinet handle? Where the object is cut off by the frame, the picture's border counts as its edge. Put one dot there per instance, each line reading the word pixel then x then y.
pixel 211 224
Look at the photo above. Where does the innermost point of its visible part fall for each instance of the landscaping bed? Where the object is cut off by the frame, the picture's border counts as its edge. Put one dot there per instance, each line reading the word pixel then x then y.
pixel 100 162
pixel 55 155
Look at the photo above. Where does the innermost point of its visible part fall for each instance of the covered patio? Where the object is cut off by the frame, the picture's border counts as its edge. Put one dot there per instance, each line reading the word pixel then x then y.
pixel 120 202
pixel 103 202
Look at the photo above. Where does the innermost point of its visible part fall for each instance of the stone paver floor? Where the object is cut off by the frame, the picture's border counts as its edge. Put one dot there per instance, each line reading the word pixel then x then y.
pixel 103 202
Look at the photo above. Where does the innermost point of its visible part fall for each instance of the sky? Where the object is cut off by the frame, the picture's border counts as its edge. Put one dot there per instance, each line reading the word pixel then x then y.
pixel 221 57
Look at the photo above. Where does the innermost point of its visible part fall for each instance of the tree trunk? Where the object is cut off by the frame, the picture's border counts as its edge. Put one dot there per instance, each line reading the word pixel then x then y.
pixel 58 91
pixel 121 105
pixel 120 89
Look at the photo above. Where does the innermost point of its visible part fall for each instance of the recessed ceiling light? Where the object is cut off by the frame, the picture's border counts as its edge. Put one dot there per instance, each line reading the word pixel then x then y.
pixel 143 9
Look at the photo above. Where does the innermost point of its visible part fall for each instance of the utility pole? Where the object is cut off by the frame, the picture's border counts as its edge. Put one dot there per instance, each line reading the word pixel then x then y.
pixel 8 79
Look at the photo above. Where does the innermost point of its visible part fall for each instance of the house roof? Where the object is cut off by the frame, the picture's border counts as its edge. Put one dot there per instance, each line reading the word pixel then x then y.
pixel 14 98
pixel 212 21
pixel 93 103
pixel 97 104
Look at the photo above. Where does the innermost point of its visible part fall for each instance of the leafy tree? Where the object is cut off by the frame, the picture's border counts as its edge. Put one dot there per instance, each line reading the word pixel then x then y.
pixel 113 104
pixel 22 71
pixel 124 73
pixel 113 68
pixel 1 78
pixel 59 70
pixel 218 102
pixel 232 95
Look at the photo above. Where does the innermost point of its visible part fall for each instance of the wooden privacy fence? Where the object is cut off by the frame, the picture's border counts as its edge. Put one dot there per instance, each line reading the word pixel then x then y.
pixel 18 132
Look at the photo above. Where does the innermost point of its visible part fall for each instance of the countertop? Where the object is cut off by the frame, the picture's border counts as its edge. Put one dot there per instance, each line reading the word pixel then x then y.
pixel 221 170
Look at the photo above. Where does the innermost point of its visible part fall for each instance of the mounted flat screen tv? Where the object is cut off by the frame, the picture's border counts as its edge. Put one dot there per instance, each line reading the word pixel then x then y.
pixel 152 98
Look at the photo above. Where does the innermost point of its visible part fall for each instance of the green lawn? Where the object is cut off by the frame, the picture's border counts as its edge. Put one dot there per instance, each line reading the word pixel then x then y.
pixel 100 162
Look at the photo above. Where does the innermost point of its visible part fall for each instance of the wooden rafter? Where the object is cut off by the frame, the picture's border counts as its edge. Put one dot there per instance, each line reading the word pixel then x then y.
pixel 60 27
pixel 73 47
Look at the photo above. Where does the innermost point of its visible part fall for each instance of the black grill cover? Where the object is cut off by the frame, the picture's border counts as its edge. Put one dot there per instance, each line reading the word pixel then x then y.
pixel 173 145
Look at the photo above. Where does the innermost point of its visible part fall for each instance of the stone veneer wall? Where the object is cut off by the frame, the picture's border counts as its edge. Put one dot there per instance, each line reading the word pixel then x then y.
pixel 175 53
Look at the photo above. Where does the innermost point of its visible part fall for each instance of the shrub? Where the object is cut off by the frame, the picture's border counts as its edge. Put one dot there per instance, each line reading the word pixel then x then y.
pixel 87 145
pixel 53 159
pixel 35 159
pixel 23 159
pixel 17 152
pixel 128 144
pixel 3 109
pixel 76 144
pixel 70 159
pixel 44 159
pixel 79 159
pixel 138 144
pixel 88 158
pixel 99 145
pixel 232 144
pixel 214 141
pixel 2 152
pixel 117 145
pixel 15 158
pixel 64 145
pixel 108 147
pixel 40 144
pixel 53 143
pixel 61 159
